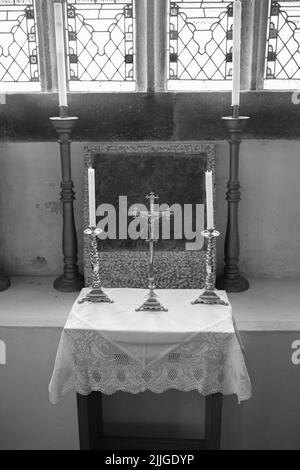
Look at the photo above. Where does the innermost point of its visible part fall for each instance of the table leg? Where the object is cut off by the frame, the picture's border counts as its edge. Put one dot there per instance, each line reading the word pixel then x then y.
pixel 213 421
pixel 90 422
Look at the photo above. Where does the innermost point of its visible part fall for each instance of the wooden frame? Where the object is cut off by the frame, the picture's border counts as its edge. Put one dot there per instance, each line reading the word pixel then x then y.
pixel 125 267
pixel 91 436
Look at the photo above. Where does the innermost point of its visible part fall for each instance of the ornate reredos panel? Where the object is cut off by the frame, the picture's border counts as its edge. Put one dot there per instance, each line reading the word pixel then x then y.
pixel 176 172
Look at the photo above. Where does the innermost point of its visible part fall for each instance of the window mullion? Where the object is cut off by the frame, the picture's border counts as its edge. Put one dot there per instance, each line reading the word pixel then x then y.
pixel 150 47
pixel 160 44
pixel 141 44
pixel 261 12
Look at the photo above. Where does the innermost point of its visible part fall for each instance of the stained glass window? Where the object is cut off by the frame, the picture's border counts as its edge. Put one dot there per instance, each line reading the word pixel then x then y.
pixel 200 35
pixel 283 45
pixel 101 44
pixel 19 64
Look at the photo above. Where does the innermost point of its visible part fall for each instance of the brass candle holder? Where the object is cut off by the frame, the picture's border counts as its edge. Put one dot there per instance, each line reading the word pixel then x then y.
pixel 209 296
pixel 96 294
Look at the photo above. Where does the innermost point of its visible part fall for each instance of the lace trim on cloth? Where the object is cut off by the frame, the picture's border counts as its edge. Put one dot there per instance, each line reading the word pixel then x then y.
pixel 209 363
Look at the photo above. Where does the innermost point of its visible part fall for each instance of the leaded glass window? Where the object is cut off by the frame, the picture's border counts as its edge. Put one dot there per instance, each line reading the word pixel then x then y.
pixel 19 64
pixel 283 45
pixel 200 35
pixel 101 44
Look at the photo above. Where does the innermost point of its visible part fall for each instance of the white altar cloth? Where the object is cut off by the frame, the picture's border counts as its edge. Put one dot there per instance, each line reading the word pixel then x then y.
pixel 111 347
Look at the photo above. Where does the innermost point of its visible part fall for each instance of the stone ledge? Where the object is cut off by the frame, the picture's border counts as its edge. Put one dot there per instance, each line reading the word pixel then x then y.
pixel 269 305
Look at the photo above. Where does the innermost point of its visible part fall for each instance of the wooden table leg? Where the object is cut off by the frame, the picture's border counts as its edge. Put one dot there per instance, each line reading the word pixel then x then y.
pixel 213 421
pixel 90 422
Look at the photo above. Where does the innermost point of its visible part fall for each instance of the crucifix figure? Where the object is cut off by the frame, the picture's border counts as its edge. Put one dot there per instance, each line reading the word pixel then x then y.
pixel 151 303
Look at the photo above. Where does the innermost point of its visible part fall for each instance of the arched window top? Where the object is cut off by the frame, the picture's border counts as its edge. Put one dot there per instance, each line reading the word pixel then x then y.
pixel 19 58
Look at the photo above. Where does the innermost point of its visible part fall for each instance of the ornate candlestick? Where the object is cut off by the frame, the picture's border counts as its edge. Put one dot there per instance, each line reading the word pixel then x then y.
pixel 71 280
pixel 232 281
pixel 4 280
pixel 151 303
pixel 209 295
pixel 96 294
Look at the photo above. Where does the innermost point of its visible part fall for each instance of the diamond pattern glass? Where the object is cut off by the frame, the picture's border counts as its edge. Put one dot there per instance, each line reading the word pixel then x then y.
pixel 283 45
pixel 101 36
pixel 19 64
pixel 200 42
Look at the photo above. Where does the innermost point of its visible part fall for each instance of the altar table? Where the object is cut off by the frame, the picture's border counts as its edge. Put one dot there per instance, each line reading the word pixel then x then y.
pixel 111 347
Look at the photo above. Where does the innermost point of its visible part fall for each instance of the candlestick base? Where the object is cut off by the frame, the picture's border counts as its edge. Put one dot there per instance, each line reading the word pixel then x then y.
pixel 234 284
pixel 209 297
pixel 4 281
pixel 151 304
pixel 96 296
pixel 62 284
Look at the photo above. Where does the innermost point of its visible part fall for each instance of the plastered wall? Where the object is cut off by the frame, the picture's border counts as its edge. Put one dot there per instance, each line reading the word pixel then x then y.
pixel 30 217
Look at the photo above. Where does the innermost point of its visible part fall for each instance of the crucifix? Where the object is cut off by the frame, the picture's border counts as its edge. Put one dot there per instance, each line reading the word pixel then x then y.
pixel 151 303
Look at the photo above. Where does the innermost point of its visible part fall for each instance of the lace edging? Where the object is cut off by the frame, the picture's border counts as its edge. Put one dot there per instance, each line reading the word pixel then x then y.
pixel 157 390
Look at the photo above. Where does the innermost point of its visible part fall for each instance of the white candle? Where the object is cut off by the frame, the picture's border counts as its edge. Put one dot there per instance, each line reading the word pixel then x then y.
pixel 152 221
pixel 92 197
pixel 60 54
pixel 236 55
pixel 209 201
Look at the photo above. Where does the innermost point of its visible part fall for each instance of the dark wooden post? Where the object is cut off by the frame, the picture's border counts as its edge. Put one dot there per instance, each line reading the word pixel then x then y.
pixel 213 421
pixel 232 281
pixel 90 425
pixel 71 280
pixel 4 280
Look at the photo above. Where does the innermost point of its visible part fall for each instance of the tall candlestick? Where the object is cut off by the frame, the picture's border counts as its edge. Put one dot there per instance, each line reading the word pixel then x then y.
pixel 92 197
pixel 236 59
pixel 71 280
pixel 60 54
pixel 209 200
pixel 231 280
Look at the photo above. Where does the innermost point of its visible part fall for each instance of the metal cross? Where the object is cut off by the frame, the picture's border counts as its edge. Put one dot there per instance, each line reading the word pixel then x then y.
pixel 152 303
